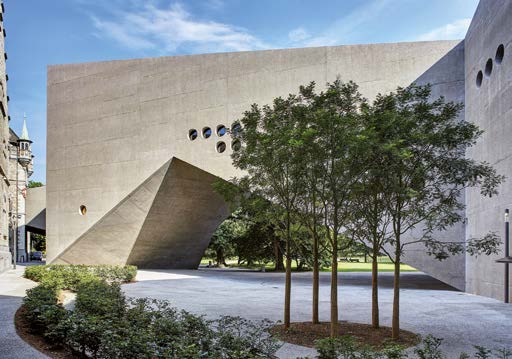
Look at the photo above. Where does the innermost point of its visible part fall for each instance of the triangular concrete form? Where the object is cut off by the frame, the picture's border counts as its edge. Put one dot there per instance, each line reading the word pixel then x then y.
pixel 154 225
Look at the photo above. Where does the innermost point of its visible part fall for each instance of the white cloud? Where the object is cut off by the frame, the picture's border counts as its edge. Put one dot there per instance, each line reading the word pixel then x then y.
pixel 345 27
pixel 170 28
pixel 452 31
pixel 298 34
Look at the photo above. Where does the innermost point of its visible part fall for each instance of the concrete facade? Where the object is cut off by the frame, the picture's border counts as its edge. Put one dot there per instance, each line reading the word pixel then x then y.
pixel 489 105
pixel 35 212
pixel 119 140
pixel 112 125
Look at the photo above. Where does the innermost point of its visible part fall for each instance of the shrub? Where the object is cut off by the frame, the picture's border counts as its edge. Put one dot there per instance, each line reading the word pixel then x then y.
pixel 70 276
pixel 44 312
pixel 104 324
pixel 100 299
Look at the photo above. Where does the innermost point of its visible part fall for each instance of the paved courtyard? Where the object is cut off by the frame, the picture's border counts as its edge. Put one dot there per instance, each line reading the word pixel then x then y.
pixel 427 305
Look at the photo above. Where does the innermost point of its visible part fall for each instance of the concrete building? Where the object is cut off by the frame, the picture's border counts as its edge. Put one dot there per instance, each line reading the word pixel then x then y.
pixel 5 253
pixel 133 146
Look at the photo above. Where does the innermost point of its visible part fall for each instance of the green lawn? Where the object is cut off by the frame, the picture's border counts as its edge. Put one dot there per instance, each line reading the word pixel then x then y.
pixel 385 265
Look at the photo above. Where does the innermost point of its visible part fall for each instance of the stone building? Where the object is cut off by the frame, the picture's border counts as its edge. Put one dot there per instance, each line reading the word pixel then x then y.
pixel 148 139
pixel 20 169
pixel 5 253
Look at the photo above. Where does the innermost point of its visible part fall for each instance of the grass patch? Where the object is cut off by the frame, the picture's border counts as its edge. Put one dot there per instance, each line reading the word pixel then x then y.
pixel 385 265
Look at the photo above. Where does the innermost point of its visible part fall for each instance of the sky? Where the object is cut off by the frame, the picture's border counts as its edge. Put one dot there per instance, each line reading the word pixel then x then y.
pixel 42 33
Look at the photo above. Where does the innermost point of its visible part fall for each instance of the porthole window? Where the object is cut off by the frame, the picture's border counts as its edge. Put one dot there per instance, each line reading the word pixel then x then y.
pixel 221 147
pixel 235 129
pixel 83 210
pixel 236 145
pixel 221 130
pixel 500 52
pixel 488 68
pixel 207 132
pixel 192 134
pixel 479 79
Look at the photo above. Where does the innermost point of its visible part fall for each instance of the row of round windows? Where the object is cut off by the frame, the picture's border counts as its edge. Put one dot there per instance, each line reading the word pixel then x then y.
pixel 207 131
pixel 221 146
pixel 498 58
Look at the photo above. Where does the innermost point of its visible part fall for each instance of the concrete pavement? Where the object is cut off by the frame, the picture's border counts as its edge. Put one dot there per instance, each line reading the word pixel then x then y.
pixel 12 291
pixel 427 305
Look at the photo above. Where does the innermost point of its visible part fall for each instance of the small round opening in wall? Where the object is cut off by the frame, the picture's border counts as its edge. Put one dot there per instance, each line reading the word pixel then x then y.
pixel 236 146
pixel 207 132
pixel 221 147
pixel 221 130
pixel 488 67
pixel 235 129
pixel 479 79
pixel 192 134
pixel 500 52
pixel 83 210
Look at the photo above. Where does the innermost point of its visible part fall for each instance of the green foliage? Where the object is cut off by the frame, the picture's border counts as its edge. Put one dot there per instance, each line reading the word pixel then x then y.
pixel 430 348
pixel 38 242
pixel 345 348
pixel 100 299
pixel 33 184
pixel 44 312
pixel 70 276
pixel 104 324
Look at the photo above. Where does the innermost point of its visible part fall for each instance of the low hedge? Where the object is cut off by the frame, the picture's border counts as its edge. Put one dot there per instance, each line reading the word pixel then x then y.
pixel 70 276
pixel 106 324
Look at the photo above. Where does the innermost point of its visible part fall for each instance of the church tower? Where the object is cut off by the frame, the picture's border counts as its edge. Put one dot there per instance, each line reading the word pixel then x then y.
pixel 25 150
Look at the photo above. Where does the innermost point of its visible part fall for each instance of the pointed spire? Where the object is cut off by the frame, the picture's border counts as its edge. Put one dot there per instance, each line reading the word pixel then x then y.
pixel 24 131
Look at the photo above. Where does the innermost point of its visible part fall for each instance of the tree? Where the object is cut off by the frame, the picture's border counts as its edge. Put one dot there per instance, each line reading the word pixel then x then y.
pixel 256 238
pixel 38 242
pixel 335 144
pixel 33 184
pixel 309 207
pixel 425 173
pixel 269 158
pixel 222 242
pixel 370 224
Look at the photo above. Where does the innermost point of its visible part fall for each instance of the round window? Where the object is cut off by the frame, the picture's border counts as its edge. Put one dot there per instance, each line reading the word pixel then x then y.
pixel 500 52
pixel 488 67
pixel 236 129
pixel 83 210
pixel 221 147
pixel 207 132
pixel 479 79
pixel 192 134
pixel 221 130
pixel 236 145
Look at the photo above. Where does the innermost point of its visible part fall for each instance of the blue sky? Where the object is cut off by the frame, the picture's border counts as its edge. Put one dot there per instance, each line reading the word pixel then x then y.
pixel 41 33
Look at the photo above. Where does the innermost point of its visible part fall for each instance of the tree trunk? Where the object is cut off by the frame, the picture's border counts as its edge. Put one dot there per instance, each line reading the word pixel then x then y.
pixel 221 261
pixel 375 288
pixel 316 278
pixel 278 255
pixel 288 280
pixel 334 286
pixel 396 295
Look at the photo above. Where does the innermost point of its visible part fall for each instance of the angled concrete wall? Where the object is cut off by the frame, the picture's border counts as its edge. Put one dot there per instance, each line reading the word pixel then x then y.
pixel 447 79
pixel 166 222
